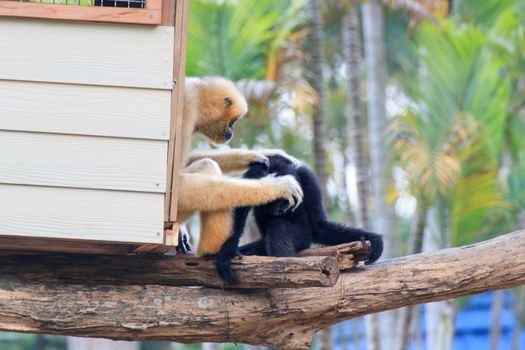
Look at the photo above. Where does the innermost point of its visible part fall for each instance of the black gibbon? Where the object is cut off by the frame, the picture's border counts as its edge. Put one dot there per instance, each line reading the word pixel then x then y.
pixel 285 233
pixel 212 105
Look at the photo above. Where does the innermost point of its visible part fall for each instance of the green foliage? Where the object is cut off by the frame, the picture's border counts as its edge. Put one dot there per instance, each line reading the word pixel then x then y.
pixel 233 38
pixel 482 13
pixel 451 142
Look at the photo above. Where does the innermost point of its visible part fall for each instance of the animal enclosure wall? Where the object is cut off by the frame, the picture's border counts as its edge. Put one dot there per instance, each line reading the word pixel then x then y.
pixel 88 119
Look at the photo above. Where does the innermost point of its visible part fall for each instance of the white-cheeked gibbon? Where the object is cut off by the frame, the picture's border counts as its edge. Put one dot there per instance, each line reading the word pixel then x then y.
pixel 212 105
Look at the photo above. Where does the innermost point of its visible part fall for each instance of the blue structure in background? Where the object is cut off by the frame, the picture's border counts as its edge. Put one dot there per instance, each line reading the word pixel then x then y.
pixel 472 329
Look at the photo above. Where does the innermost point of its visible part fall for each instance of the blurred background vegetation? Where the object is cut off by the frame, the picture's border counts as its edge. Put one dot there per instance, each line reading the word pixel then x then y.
pixel 412 112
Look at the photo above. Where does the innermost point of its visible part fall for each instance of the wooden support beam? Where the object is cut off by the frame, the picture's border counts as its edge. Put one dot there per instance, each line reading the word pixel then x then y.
pixel 253 271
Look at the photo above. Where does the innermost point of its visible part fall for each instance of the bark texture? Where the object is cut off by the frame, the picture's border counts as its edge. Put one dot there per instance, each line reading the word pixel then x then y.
pixel 253 271
pixel 283 318
pixel 317 81
pixel 356 125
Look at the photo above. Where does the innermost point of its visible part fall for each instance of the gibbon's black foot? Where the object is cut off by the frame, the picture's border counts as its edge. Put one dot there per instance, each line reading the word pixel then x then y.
pixel 376 248
pixel 223 261
pixel 184 245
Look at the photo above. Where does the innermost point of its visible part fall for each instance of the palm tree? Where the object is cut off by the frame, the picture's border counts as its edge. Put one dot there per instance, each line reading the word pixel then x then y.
pixel 317 81
pixel 451 141
pixel 380 170
pixel 356 126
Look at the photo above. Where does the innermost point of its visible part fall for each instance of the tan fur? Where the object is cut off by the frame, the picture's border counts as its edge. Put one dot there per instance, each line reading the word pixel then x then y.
pixel 230 160
pixel 212 239
pixel 209 106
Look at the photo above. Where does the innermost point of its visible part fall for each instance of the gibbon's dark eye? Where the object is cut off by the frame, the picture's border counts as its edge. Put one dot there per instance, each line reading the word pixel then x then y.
pixel 227 102
pixel 232 122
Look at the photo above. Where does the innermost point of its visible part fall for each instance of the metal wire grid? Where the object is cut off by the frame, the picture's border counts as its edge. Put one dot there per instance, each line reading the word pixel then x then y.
pixel 102 3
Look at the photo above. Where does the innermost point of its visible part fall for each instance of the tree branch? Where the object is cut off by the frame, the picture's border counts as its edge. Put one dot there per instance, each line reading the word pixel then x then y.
pixel 284 318
pixel 184 270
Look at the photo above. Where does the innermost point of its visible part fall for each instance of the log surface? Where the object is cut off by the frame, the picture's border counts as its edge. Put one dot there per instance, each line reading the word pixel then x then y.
pixel 283 318
pixel 253 271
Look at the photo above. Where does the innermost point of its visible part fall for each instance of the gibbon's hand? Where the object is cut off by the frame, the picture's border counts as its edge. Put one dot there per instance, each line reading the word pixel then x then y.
pixel 260 158
pixel 288 188
pixel 279 152
pixel 257 170
pixel 376 248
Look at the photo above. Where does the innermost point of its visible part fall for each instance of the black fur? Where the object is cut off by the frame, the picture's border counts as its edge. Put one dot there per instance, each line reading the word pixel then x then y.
pixel 287 233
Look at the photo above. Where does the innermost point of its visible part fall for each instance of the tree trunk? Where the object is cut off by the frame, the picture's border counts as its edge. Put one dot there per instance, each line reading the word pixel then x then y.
pixel 317 80
pixel 356 127
pixel 439 316
pixel 319 117
pixel 352 46
pixel 375 60
pixel 418 334
pixel 495 329
pixel 384 219
pixel 440 324
pixel 416 246
pixel 283 318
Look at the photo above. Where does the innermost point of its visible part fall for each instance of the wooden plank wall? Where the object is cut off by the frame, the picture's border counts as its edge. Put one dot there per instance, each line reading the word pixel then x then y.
pixel 98 110
pixel 78 213
pixel 84 129
pixel 86 53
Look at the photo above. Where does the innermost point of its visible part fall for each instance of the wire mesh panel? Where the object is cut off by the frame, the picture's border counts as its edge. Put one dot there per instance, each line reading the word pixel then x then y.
pixel 102 3
pixel 121 3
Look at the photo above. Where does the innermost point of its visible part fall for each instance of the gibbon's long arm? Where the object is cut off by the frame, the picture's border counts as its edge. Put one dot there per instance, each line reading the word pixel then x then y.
pixel 229 160
pixel 210 192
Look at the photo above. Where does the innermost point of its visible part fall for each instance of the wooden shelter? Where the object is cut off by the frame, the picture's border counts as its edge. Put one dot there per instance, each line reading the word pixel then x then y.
pixel 90 117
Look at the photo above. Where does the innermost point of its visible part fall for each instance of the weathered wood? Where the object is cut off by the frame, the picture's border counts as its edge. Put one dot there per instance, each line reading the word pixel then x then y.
pixel 253 271
pixel 347 254
pixel 177 111
pixel 12 245
pixel 80 13
pixel 356 248
pixel 283 318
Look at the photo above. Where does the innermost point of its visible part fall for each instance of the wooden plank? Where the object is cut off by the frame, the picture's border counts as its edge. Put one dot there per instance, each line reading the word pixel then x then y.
pixel 83 53
pixel 34 211
pixel 168 12
pixel 80 13
pixel 13 245
pixel 177 104
pixel 154 5
pixel 85 110
pixel 82 161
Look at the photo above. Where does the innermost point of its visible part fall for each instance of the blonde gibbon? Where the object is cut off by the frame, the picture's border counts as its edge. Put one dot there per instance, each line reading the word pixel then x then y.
pixel 212 105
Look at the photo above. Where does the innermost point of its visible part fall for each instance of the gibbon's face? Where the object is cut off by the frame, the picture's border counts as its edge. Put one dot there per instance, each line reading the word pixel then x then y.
pixel 221 105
